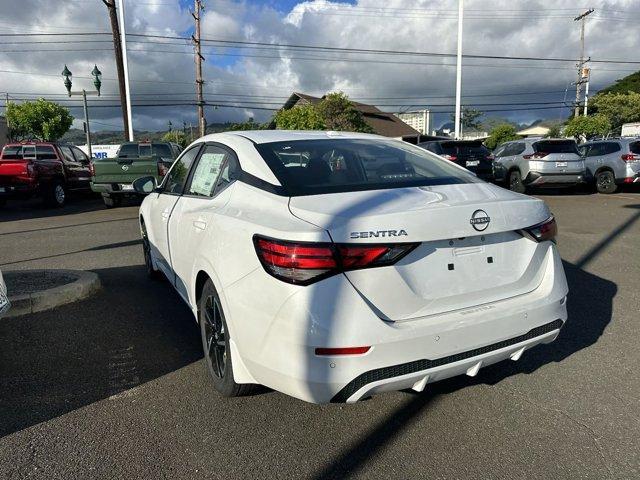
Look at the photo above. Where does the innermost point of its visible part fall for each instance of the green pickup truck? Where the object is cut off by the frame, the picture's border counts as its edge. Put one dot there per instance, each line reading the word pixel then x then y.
pixel 112 177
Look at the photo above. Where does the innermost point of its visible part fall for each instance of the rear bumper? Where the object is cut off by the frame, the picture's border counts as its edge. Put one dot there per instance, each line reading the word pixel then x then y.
pixel 109 189
pixel 18 189
pixel 539 179
pixel 278 349
pixel 417 374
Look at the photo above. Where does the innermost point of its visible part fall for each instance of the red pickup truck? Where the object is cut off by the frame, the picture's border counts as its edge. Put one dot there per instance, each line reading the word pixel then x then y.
pixel 44 169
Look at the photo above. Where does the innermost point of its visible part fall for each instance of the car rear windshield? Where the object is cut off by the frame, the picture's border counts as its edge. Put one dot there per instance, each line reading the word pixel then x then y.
pixel 634 147
pixel 26 152
pixel 312 167
pixel 556 146
pixel 465 149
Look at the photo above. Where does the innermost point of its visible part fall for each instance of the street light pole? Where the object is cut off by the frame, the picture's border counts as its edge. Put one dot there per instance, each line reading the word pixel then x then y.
pixel 97 82
pixel 459 70
pixel 86 122
pixel 125 62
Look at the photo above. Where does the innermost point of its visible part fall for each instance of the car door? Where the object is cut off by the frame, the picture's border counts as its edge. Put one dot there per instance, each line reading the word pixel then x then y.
pixel 162 203
pixel 193 221
pixel 85 172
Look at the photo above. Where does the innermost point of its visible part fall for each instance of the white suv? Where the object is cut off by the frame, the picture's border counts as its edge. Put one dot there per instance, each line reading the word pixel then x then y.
pixel 538 162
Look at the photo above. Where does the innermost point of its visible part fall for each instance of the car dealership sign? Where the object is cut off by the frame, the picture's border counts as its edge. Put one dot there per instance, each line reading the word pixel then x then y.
pixel 101 151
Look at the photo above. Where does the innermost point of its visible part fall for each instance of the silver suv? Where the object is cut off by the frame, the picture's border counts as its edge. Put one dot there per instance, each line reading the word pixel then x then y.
pixel 538 162
pixel 612 162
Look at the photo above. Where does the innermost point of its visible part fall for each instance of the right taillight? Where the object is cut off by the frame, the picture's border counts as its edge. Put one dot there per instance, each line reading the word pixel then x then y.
pixel 303 263
pixel 453 158
pixel 546 230
pixel 630 157
pixel 92 169
pixel 162 169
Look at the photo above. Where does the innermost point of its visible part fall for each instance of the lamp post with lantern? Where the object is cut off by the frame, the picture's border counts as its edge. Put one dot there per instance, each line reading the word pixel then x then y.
pixel 97 82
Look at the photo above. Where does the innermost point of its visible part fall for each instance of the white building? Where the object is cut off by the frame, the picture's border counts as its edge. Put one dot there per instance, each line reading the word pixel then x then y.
pixel 101 151
pixel 419 120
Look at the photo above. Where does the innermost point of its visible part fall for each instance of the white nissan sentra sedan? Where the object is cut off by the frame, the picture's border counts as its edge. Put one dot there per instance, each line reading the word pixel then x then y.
pixel 332 266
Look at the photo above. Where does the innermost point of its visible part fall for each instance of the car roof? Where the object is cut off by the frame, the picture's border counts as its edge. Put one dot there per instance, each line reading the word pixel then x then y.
pixel 268 136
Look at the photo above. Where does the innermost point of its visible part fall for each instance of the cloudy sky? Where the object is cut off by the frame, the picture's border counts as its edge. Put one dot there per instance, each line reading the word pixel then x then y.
pixel 255 77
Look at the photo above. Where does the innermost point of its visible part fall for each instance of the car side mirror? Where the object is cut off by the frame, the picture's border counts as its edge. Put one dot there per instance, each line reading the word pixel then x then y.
pixel 145 185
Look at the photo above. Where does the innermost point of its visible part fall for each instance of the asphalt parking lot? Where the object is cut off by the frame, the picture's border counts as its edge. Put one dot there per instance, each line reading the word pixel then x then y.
pixel 113 386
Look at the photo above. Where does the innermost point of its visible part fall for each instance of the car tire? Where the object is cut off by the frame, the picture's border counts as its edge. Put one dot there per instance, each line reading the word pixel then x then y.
pixel 56 195
pixel 152 273
pixel 515 182
pixel 112 202
pixel 215 344
pixel 606 182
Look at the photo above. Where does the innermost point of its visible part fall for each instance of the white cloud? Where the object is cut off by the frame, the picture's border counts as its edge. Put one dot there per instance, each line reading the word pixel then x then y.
pixel 536 28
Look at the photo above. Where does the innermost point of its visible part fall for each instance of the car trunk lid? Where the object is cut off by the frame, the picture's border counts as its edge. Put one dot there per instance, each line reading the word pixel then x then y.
pixel 470 251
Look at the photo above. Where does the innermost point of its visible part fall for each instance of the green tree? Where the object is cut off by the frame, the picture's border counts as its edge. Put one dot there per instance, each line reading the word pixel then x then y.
pixel 469 118
pixel 300 117
pixel 176 136
pixel 40 119
pixel 618 108
pixel 334 112
pixel 589 126
pixel 248 125
pixel 340 114
pixel 500 134
pixel 554 131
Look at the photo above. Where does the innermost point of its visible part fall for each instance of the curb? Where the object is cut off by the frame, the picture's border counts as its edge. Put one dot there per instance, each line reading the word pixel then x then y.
pixel 86 284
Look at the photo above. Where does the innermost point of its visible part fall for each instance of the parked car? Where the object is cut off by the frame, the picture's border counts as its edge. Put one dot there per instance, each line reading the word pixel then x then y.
pixel 612 162
pixel 4 297
pixel 539 162
pixel 45 169
pixel 331 266
pixel 112 177
pixel 471 154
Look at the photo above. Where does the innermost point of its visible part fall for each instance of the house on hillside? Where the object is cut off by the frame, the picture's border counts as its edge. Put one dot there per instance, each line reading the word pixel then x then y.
pixel 382 123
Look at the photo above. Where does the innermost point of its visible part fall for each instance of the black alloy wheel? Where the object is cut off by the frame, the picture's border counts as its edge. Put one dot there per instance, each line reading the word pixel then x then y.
pixel 215 336
pixel 606 182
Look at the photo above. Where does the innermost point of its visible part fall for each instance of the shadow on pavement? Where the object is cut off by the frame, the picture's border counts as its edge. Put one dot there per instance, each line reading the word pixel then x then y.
pixel 34 208
pixel 590 311
pixel 134 330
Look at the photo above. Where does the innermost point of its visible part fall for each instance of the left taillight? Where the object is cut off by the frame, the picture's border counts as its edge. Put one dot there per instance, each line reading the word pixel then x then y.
pixel 303 263
pixel 546 230
pixel 92 169
pixel 162 169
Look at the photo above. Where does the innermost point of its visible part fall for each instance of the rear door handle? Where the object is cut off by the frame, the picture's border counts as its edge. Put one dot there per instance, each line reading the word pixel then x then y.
pixel 199 224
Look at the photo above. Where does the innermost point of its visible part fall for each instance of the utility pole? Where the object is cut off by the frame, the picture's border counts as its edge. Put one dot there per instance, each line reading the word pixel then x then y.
pixel 125 64
pixel 581 18
pixel 6 107
pixel 459 70
pixel 202 123
pixel 117 48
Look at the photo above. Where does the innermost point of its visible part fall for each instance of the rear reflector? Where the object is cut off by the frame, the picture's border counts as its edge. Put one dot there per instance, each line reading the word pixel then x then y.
pixel 342 351
pixel 546 230
pixel 303 263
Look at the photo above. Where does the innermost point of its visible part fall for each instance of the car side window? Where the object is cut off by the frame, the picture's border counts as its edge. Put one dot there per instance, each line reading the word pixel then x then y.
pixel 596 150
pixel 213 172
pixel 67 154
pixel 500 151
pixel 611 147
pixel 518 148
pixel 80 155
pixel 175 180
